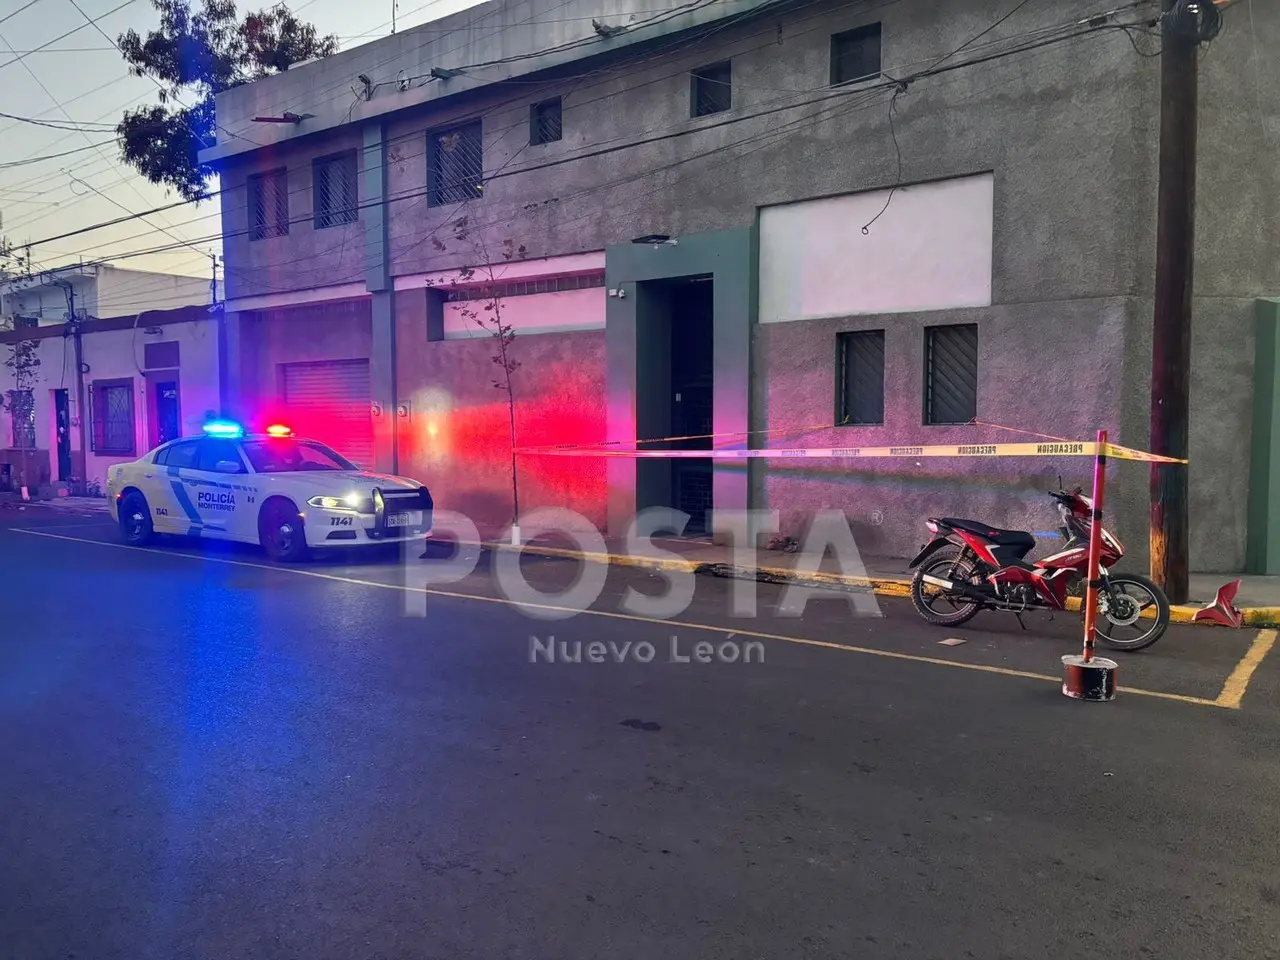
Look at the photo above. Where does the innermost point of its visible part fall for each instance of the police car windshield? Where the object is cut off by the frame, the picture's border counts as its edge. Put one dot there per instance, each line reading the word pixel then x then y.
pixel 287 455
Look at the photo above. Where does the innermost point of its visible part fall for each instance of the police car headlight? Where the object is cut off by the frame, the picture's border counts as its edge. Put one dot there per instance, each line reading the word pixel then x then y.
pixel 327 503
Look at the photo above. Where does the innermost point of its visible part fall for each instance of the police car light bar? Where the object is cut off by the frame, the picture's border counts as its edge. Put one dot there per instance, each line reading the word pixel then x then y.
pixel 223 428
pixel 279 430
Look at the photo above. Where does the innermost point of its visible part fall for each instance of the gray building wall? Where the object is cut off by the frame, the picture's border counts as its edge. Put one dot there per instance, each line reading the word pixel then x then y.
pixel 1069 130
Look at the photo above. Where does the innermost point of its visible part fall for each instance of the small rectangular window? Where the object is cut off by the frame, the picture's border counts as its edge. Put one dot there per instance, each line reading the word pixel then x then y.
pixel 544 122
pixel 711 89
pixel 22 409
pixel 855 55
pixel 335 190
pixel 860 378
pixel 951 374
pixel 268 205
pixel 455 164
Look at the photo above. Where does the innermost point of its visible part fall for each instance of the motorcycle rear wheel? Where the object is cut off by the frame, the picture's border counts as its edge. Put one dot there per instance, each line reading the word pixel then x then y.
pixel 949 563
pixel 1159 623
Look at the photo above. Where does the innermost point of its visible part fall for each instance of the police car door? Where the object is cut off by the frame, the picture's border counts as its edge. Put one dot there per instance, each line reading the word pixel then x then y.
pixel 216 486
pixel 171 509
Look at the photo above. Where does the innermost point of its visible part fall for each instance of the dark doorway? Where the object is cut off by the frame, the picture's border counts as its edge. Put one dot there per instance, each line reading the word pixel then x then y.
pixel 674 391
pixel 62 423
pixel 168 422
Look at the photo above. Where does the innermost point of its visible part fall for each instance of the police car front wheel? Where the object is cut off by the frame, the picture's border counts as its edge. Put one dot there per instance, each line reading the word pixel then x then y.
pixel 135 520
pixel 280 531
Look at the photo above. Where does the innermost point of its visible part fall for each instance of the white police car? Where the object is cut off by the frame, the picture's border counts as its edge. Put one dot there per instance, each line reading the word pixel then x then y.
pixel 288 494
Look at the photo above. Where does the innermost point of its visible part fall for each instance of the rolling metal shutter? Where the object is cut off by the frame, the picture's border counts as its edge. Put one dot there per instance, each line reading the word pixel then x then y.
pixel 330 402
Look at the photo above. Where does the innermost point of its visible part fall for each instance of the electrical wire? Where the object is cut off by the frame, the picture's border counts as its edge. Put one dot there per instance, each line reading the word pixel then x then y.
pixel 522 169
pixel 75 126
pixel 53 156
pixel 768 29
pixel 23 56
pixel 631 178
pixel 123 178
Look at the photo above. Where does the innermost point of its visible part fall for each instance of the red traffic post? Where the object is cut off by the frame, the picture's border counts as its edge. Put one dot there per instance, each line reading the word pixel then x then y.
pixel 1086 677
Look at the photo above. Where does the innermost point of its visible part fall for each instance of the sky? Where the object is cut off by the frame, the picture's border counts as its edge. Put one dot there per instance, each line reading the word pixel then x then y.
pixel 54 181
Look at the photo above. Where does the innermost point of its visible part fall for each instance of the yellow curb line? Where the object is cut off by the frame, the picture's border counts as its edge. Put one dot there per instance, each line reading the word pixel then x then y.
pixel 880 586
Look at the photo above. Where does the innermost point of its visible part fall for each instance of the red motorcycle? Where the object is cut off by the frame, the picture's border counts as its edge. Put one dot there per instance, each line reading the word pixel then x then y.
pixel 974 566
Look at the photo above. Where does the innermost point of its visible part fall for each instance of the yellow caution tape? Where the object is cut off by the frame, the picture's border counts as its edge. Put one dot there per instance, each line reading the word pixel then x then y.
pixel 1046 449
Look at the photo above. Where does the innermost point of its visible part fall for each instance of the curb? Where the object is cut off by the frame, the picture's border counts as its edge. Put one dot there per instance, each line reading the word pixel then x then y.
pixel 880 586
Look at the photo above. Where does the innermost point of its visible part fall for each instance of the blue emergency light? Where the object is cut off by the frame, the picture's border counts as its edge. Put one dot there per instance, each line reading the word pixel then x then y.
pixel 224 428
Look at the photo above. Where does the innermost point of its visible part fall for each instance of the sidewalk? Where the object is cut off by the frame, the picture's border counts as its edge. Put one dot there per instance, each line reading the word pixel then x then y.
pixel 1259 596
pixel 76 506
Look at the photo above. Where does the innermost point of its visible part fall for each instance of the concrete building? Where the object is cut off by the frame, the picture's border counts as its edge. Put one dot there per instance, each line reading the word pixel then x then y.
pixel 136 364
pixel 898 217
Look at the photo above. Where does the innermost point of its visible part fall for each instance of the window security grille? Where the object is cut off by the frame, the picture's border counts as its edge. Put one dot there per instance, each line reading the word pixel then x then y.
pixel 335 191
pixel 861 378
pixel 113 424
pixel 525 288
pixel 855 55
pixel 951 374
pixel 22 409
pixel 545 122
pixel 712 89
pixel 455 164
pixel 268 205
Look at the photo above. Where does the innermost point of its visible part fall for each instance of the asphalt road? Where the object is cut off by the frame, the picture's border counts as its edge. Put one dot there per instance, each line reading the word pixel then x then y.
pixel 207 756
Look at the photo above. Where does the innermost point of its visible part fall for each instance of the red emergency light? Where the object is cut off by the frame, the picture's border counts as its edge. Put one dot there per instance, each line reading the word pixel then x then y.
pixel 279 430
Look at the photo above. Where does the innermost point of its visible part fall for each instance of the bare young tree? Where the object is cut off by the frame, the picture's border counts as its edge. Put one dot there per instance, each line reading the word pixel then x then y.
pixel 484 308
pixel 23 356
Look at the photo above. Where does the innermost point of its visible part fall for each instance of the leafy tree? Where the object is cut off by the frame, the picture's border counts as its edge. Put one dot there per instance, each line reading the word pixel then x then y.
pixel 485 311
pixel 195 56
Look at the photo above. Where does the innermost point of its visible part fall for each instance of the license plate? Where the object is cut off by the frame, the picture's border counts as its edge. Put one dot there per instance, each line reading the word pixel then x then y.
pixel 404 519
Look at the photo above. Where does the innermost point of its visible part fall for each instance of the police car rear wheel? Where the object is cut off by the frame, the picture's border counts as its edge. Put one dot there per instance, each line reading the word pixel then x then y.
pixel 135 520
pixel 280 531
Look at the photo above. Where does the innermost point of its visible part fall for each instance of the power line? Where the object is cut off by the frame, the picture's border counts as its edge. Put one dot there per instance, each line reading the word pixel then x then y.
pixel 829 96
pixel 53 156
pixel 23 56
pixel 25 6
pixel 421 194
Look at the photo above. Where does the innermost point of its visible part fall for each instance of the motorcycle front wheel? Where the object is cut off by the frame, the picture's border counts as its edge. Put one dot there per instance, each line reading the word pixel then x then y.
pixel 1134 616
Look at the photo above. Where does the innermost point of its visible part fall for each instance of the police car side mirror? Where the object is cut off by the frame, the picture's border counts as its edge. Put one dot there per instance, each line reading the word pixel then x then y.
pixel 226 466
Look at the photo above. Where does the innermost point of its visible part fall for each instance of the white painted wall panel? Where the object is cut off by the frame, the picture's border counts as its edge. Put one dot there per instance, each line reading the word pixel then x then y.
pixel 537 313
pixel 931 249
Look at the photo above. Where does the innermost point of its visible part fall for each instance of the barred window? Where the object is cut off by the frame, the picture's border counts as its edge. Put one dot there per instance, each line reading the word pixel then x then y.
pixel 268 205
pixel 860 378
pixel 113 423
pixel 855 55
pixel 544 122
pixel 455 164
pixel 711 89
pixel 951 373
pixel 526 288
pixel 336 194
pixel 22 409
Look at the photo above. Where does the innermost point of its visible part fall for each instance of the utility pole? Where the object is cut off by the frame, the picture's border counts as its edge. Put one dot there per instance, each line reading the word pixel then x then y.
pixel 1185 25
pixel 213 284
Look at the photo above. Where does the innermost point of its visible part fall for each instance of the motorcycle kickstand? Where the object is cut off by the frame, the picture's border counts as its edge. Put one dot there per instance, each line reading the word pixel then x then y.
pixel 1020 623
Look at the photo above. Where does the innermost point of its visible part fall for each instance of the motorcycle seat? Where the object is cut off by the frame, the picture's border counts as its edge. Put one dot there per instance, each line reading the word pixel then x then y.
pixel 1006 538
